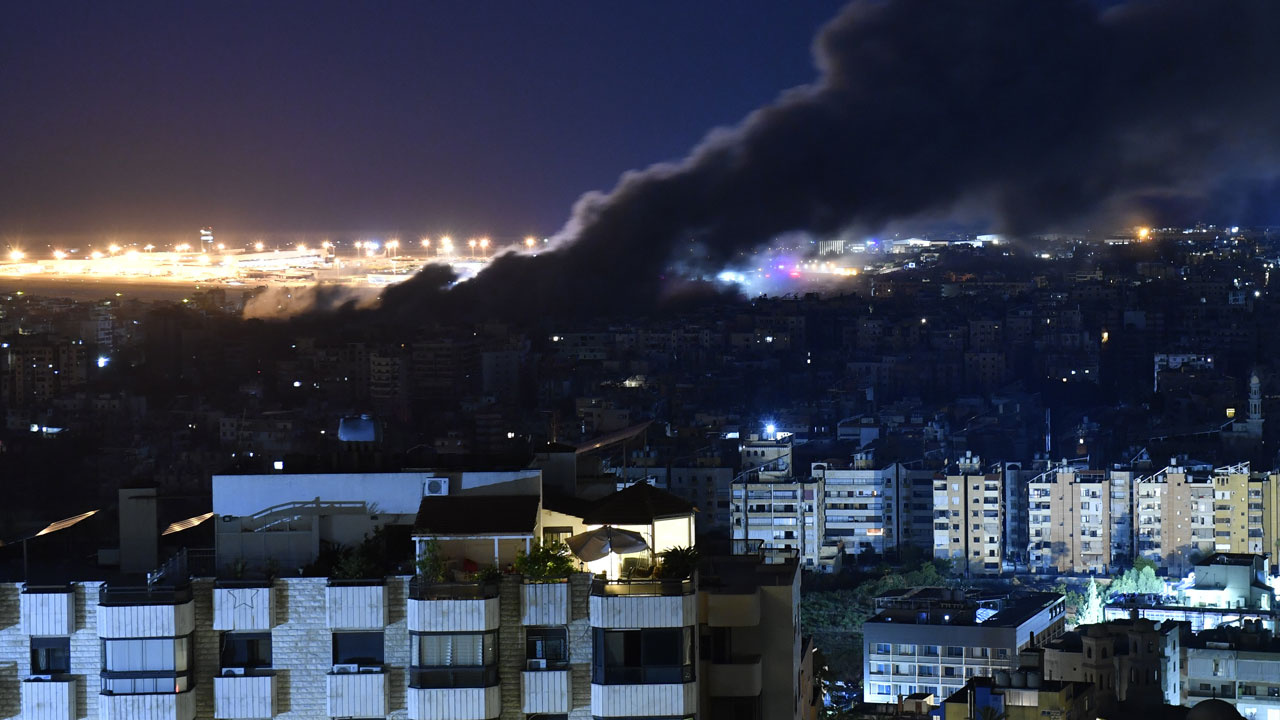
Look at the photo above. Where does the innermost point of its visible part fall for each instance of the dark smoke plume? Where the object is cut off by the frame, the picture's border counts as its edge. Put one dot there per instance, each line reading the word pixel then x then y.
pixel 1036 114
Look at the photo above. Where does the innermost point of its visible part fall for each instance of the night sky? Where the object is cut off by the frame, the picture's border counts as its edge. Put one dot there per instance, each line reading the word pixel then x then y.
pixel 400 117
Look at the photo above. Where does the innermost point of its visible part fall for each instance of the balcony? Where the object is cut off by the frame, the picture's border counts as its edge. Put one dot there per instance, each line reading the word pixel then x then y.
pixel 155 706
pixel 358 694
pixel 462 703
pixel 356 604
pixel 147 611
pixel 544 691
pixel 49 699
pixel 739 678
pixel 678 700
pixel 243 606
pixel 452 607
pixel 47 609
pixel 544 603
pixel 244 696
pixel 643 603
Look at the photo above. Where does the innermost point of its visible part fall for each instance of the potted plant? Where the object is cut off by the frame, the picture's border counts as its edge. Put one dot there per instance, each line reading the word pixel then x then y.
pixel 677 563
pixel 432 564
pixel 545 562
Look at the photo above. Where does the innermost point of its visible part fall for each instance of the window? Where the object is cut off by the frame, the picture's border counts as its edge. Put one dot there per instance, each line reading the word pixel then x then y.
pixel 50 655
pixel 641 657
pixel 556 534
pixel 246 650
pixel 442 660
pixel 546 648
pixel 357 648
pixel 882 648
pixel 151 665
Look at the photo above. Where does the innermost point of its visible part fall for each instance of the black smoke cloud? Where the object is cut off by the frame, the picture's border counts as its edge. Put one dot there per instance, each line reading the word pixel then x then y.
pixel 1037 115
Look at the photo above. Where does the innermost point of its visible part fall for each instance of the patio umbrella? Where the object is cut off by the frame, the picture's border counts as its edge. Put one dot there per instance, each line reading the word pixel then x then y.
pixel 595 544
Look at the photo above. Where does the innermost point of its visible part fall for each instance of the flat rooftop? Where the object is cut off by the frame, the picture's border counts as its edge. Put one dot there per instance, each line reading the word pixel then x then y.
pixel 948 606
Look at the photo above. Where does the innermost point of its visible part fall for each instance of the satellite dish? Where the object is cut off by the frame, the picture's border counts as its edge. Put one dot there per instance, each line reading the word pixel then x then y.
pixel 434 487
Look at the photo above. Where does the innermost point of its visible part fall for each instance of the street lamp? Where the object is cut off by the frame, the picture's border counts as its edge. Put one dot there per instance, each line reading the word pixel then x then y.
pixel 472 243
pixel 529 242
pixel 258 246
pixel 484 246
pixel 392 245
pixel 446 244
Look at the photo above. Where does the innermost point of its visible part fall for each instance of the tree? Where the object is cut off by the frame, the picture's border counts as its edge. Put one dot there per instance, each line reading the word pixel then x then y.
pixel 1091 611
pixel 1147 582
pixel 1141 562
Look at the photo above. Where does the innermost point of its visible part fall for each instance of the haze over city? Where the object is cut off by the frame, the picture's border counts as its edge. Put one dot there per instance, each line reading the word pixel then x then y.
pixel 888 360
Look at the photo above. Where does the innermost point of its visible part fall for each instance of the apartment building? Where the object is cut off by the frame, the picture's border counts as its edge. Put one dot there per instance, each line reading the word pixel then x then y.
pixel 934 640
pixel 968 524
pixel 770 505
pixel 859 506
pixel 1078 520
pixel 1183 513
pixel 1239 665
pixel 605 642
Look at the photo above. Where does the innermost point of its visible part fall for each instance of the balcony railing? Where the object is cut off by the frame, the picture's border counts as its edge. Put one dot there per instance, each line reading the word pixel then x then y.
pixel 651 588
pixel 116 595
pixel 453 677
pixel 45 589
pixel 420 589
pixel 644 675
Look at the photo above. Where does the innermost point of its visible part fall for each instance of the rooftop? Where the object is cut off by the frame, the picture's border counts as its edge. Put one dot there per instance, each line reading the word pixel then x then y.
pixel 477 515
pixel 947 606
pixel 639 504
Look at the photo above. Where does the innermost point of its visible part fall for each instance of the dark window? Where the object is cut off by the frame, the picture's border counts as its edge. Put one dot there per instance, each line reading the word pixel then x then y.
pixel 546 648
pixel 357 648
pixel 246 650
pixel 657 655
pixel 50 655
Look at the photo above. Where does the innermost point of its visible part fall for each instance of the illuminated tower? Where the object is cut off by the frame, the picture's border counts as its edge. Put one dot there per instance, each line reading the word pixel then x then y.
pixel 206 236
pixel 1253 424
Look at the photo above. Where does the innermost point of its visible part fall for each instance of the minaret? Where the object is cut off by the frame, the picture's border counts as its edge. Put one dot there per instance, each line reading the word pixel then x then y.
pixel 1253 424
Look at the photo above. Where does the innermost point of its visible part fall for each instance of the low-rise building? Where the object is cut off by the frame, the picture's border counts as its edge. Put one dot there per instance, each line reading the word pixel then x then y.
pixel 1127 660
pixel 933 640
pixel 1238 665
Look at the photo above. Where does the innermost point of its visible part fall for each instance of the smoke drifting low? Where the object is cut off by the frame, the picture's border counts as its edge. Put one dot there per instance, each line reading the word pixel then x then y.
pixel 1036 115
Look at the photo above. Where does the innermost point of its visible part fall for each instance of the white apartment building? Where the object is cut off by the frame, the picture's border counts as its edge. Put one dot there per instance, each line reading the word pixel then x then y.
pixel 933 640
pixel 720 643
pixel 858 503
pixel 770 505
pixel 1238 665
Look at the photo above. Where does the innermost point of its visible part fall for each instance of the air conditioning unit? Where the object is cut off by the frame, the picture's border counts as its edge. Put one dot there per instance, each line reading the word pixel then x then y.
pixel 538 664
pixel 343 669
pixel 370 668
pixel 434 486
pixel 232 671
pixel 41 677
